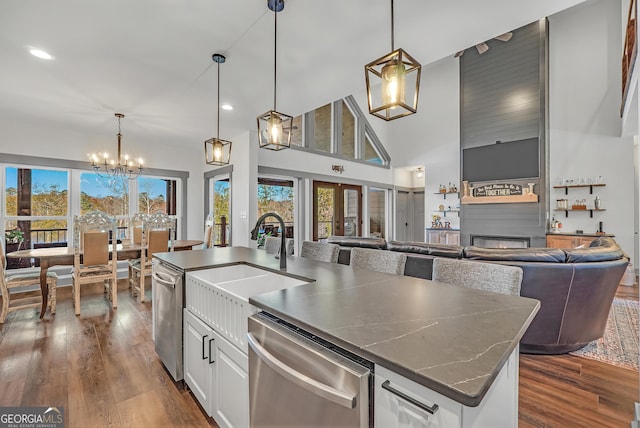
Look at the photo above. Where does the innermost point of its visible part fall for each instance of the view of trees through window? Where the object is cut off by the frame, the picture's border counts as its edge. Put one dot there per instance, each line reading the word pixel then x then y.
pixel 105 194
pixel 276 196
pixel 152 195
pixel 42 198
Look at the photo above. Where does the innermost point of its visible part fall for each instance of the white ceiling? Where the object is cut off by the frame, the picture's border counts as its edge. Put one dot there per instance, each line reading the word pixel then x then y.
pixel 151 59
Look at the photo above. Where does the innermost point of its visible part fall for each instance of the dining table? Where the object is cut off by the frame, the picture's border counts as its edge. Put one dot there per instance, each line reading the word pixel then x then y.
pixel 64 256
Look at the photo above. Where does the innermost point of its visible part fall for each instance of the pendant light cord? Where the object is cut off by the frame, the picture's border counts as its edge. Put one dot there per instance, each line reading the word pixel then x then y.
pixel 275 52
pixel 392 26
pixel 218 131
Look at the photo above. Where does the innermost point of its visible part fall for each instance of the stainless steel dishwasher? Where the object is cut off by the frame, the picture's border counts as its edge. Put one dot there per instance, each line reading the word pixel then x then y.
pixel 299 380
pixel 167 303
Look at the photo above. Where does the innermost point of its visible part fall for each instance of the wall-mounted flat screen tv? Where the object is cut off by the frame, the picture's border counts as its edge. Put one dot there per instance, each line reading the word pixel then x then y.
pixel 502 161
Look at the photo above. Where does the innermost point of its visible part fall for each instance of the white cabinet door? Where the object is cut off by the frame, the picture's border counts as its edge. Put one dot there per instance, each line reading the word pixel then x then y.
pixel 198 359
pixel 394 409
pixel 230 385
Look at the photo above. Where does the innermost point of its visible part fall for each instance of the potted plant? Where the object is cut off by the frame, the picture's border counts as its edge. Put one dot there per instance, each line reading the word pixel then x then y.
pixel 15 237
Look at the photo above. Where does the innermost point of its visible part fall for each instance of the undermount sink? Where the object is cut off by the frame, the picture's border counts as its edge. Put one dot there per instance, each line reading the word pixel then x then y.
pixel 243 281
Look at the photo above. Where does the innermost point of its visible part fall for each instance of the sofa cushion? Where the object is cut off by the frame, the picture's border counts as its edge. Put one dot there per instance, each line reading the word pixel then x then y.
pixel 548 255
pixel 595 254
pixel 440 250
pixel 350 241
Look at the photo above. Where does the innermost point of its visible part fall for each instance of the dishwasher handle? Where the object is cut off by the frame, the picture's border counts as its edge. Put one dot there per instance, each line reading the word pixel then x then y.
pixel 161 279
pixel 303 381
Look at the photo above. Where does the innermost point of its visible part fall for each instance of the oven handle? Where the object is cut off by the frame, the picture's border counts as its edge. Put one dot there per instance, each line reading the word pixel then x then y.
pixel 303 381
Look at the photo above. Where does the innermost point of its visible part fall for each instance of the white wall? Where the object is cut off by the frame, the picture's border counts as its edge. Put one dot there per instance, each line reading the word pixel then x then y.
pixel 585 48
pixel 244 188
pixel 64 141
pixel 431 137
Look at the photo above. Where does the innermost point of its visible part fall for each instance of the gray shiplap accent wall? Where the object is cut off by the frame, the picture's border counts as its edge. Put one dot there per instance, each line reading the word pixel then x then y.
pixel 500 97
pixel 503 97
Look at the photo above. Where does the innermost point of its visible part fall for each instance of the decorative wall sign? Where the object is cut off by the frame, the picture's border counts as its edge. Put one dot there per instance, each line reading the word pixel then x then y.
pixel 498 189
pixel 337 168
pixel 498 193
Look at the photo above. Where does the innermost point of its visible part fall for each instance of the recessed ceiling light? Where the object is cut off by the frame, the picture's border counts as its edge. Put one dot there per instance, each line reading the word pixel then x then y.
pixel 39 53
pixel 226 107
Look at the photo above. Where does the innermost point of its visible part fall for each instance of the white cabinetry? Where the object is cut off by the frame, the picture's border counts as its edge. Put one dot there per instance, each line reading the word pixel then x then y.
pixel 198 359
pixel 230 388
pixel 400 402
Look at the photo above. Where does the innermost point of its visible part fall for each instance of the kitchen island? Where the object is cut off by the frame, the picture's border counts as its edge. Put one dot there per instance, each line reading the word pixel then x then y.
pixel 451 340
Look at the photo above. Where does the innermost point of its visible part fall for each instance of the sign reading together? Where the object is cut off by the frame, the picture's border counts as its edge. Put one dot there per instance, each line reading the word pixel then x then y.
pixel 498 189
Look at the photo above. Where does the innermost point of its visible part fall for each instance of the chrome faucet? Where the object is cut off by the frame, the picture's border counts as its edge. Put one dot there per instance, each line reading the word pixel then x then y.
pixel 283 245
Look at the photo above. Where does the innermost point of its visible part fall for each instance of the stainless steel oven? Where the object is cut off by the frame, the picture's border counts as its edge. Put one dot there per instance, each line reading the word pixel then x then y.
pixel 299 380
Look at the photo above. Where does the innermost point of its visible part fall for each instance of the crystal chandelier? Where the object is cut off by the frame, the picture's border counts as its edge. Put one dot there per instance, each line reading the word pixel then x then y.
pixel 120 167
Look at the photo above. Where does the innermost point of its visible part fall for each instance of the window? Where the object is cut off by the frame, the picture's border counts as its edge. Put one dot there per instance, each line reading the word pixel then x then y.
pixel 370 153
pixel 376 213
pixel 36 209
pixel 276 195
pixel 39 203
pixel 156 194
pixel 348 141
pixel 105 194
pixel 339 129
pixel 296 132
pixel 221 212
pixel 322 128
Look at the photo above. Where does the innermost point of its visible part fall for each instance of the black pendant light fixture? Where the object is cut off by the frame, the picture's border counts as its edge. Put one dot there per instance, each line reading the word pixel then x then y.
pixel 274 128
pixel 393 83
pixel 217 151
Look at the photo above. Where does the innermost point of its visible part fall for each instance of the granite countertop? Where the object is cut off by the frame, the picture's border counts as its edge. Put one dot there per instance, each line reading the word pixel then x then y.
pixel 450 339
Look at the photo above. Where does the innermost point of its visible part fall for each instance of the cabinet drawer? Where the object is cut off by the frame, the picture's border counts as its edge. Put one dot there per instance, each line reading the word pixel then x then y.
pixel 393 411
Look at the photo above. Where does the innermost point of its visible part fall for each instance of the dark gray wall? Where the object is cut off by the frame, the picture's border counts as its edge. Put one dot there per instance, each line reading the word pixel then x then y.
pixel 504 98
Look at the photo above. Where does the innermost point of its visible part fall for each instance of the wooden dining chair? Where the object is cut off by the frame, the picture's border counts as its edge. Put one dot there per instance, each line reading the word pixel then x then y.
pixel 14 281
pixel 91 261
pixel 157 230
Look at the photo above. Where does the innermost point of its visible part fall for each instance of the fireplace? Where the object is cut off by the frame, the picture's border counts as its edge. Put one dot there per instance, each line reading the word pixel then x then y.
pixel 500 241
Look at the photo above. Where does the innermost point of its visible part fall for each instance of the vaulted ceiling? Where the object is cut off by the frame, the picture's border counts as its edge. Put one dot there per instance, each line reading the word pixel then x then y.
pixel 151 59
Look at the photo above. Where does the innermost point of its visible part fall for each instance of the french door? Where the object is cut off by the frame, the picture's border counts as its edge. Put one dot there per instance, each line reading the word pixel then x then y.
pixel 337 210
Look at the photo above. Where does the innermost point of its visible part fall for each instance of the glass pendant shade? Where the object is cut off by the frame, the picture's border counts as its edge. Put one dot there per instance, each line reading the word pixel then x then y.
pixel 217 152
pixel 393 84
pixel 274 130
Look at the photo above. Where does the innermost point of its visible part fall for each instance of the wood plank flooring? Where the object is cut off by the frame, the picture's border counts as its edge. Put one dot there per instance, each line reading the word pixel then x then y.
pixel 571 391
pixel 102 368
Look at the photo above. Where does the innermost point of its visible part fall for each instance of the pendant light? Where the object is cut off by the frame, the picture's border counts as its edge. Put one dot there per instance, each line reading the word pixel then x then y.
pixel 217 151
pixel 393 83
pixel 274 128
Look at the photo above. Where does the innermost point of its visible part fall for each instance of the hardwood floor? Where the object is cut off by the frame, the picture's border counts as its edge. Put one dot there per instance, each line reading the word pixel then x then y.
pixel 102 368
